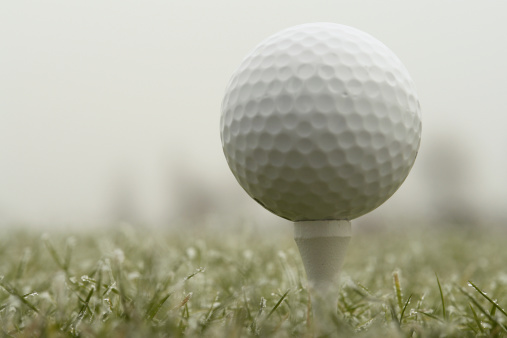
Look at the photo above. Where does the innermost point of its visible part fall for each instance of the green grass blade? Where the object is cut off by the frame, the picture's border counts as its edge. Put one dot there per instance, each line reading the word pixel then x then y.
pixel 493 310
pixel 489 299
pixel 253 326
pixel 262 306
pixel 205 322
pixel 23 263
pixel 441 297
pixel 196 272
pixel 52 251
pixel 15 293
pixel 278 303
pixel 394 315
pixel 476 318
pixel 68 253
pixel 404 308
pixel 479 306
pixel 249 314
pixel 82 312
pixel 364 288
pixel 397 288
pixel 430 315
pixel 153 310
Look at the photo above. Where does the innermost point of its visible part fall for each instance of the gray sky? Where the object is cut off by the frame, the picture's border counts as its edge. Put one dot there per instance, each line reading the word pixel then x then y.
pixel 94 94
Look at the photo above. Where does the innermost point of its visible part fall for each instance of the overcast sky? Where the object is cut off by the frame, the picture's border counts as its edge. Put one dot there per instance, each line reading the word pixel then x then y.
pixel 99 95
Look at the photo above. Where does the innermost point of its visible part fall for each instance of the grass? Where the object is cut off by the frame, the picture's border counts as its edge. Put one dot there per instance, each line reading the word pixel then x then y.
pixel 129 282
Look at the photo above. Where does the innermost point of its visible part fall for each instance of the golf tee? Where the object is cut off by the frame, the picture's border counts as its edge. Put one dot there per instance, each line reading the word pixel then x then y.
pixel 322 245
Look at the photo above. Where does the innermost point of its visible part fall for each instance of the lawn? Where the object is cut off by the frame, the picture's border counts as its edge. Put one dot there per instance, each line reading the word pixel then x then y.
pixel 412 281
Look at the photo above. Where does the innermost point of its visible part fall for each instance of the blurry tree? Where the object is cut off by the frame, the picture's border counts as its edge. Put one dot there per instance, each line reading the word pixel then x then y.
pixel 448 174
pixel 188 196
pixel 194 199
pixel 123 202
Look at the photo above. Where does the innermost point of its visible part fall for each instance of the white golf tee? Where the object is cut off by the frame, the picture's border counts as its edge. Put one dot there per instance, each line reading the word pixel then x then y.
pixel 322 245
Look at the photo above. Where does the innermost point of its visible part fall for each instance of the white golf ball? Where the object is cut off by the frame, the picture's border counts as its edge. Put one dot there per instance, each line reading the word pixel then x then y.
pixel 320 121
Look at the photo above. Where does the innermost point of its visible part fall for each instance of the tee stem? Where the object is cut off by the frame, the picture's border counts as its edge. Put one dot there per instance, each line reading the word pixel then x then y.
pixel 322 245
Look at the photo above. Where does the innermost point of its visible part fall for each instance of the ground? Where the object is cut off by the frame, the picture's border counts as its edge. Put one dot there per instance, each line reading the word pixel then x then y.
pixel 127 281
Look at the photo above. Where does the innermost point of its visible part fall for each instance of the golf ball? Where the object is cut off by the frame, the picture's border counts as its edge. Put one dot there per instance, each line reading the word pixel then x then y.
pixel 320 121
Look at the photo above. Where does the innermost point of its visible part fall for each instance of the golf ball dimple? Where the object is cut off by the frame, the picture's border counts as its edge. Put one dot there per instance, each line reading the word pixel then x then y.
pixel 319 122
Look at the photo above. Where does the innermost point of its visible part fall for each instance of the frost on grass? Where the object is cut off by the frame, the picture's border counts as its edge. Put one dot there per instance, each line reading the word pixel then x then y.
pixel 139 283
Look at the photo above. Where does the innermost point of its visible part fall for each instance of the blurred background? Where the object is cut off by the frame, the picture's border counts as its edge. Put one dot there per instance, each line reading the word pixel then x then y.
pixel 109 111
